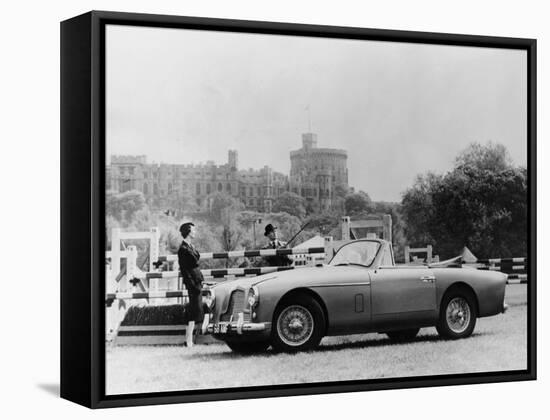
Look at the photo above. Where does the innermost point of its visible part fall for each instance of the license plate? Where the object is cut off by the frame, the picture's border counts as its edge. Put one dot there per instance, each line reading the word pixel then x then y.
pixel 220 329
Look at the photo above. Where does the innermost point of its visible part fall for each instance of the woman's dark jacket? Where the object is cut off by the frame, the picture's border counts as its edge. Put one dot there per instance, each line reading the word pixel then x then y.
pixel 188 258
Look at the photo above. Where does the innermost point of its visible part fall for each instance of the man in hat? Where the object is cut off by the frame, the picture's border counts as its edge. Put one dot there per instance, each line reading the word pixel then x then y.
pixel 274 243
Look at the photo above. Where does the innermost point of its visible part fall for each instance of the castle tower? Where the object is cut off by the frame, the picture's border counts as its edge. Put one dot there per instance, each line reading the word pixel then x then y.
pixel 315 172
pixel 233 160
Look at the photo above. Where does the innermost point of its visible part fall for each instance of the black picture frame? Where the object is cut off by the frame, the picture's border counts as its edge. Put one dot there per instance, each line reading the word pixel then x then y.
pixel 83 207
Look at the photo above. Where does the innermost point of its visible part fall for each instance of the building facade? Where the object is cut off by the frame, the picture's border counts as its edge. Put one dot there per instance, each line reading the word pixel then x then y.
pixel 314 174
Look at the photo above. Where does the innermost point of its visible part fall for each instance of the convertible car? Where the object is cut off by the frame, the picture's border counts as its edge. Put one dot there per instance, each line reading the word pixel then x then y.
pixel 361 290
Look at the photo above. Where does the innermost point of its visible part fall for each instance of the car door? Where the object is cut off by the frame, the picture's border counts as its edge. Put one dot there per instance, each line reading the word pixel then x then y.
pixel 403 294
pixel 347 298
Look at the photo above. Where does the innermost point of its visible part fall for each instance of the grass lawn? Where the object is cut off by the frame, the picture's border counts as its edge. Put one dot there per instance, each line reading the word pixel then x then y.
pixel 498 343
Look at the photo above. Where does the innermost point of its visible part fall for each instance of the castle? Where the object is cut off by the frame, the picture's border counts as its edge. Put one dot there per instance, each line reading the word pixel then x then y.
pixel 315 174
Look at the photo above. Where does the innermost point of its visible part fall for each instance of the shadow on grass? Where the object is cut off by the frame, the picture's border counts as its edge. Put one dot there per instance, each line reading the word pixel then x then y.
pixel 359 344
pixel 381 342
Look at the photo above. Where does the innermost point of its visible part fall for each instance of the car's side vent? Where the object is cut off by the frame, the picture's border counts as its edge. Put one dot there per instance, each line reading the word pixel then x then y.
pixel 359 303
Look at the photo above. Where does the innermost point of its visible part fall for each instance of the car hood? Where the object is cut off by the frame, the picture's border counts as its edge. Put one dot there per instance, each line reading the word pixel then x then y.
pixel 298 277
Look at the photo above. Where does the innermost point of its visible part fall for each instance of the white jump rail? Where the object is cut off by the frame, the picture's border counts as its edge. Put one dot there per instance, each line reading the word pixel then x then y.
pixel 499 268
pixel 517 279
pixel 249 253
pixel 500 261
pixel 221 272
pixel 147 295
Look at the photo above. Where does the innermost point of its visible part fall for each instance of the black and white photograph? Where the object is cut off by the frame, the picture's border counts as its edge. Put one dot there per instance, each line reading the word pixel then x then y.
pixel 275 209
pixel 284 209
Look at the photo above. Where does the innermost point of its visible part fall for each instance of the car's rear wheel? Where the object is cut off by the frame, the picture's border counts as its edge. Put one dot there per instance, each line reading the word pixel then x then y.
pixel 247 347
pixel 458 314
pixel 298 324
pixel 403 335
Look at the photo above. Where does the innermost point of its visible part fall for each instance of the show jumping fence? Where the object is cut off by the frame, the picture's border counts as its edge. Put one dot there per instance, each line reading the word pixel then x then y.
pixel 250 253
pixel 515 268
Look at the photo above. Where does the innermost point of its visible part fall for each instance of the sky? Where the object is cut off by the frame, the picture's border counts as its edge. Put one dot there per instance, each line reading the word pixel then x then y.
pixel 187 96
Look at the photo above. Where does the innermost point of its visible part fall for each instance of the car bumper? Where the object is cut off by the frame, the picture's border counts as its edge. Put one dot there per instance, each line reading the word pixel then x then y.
pixel 237 327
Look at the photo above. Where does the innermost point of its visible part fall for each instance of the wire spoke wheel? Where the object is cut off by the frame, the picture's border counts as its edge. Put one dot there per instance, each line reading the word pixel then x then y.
pixel 298 323
pixel 295 325
pixel 458 315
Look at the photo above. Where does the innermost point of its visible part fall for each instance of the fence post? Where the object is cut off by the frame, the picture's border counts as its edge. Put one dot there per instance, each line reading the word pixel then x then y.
pixel 153 257
pixel 429 252
pixel 154 247
pixel 387 232
pixel 329 248
pixel 131 263
pixel 115 251
pixel 110 313
pixel 346 222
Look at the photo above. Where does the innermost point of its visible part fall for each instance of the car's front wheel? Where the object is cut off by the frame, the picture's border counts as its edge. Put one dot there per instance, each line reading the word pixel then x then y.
pixel 458 314
pixel 298 324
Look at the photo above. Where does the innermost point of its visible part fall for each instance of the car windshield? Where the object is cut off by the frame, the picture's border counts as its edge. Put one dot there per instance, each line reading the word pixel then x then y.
pixel 356 253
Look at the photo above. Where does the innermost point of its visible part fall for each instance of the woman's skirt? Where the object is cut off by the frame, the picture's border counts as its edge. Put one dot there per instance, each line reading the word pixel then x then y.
pixel 194 309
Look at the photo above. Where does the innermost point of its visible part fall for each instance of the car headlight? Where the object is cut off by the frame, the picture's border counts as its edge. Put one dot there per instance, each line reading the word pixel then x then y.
pixel 253 296
pixel 209 297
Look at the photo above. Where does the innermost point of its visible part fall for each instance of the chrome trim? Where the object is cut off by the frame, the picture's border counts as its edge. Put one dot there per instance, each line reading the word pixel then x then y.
pixel 364 283
pixel 240 322
pixel 251 326
pixel 205 322
pixel 239 327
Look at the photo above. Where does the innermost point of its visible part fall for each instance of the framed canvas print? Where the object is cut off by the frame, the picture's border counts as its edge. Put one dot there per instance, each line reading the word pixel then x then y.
pixel 255 209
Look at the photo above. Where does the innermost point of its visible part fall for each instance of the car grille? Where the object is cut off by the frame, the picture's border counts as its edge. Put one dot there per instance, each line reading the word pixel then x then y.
pixel 236 305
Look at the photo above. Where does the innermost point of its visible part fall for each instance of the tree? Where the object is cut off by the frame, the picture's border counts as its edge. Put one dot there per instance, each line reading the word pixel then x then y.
pixel 223 206
pixel 398 225
pixel 180 202
pixel 484 210
pixel 231 236
pixel 418 211
pixel 323 223
pixel 490 157
pixel 290 203
pixel 481 204
pixel 124 206
pixel 356 203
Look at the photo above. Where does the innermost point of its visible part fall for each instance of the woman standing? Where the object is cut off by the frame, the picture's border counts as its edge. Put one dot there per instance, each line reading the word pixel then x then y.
pixel 188 258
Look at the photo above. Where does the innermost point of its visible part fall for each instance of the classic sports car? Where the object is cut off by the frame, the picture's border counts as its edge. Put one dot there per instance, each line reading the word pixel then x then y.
pixel 361 290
